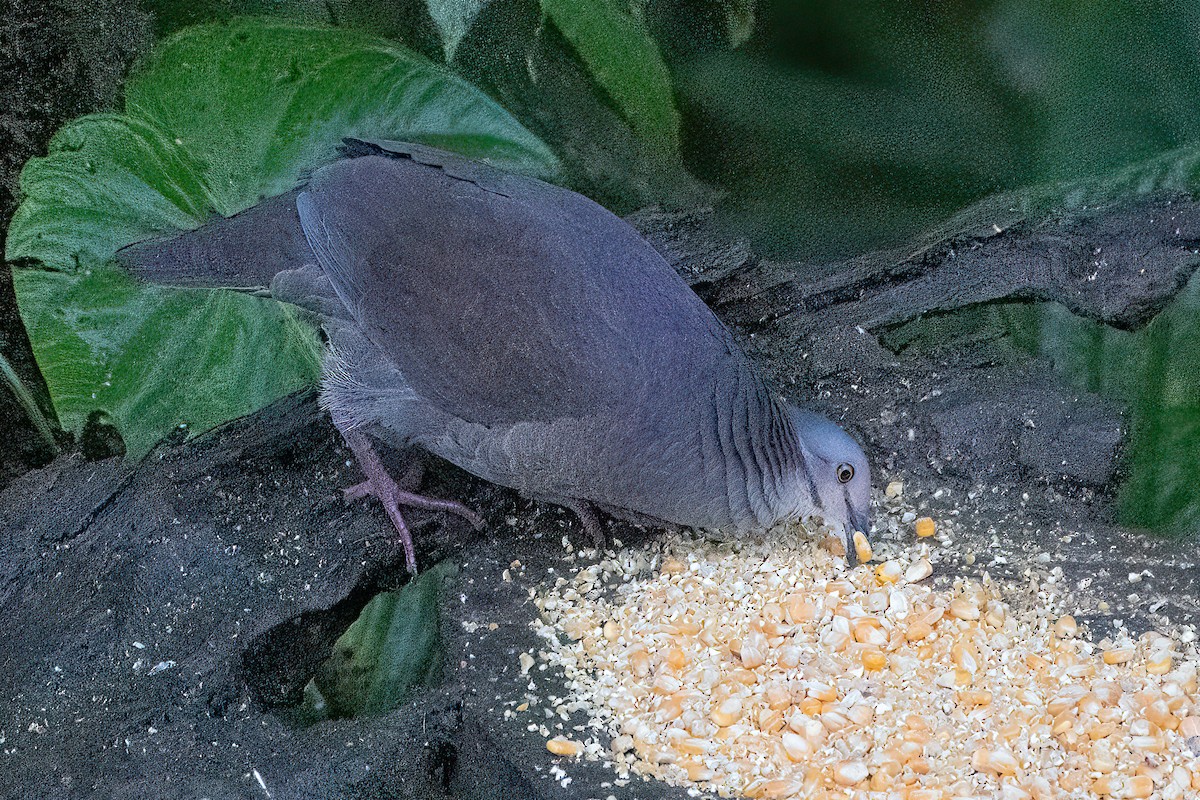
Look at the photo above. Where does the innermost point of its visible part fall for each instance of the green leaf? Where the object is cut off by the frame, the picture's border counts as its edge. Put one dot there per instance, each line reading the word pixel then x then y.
pixel 625 61
pixel 391 650
pixel 453 18
pixel 108 180
pixel 219 117
pixel 259 102
pixel 156 358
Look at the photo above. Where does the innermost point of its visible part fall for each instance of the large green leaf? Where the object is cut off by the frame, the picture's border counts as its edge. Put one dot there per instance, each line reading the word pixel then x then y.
pixel 219 117
pixel 157 358
pixel 625 61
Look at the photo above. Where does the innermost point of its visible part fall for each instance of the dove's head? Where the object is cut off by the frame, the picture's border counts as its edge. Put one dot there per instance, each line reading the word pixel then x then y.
pixel 839 474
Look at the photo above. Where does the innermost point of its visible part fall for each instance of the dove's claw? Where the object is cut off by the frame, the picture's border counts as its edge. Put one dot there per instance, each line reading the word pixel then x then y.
pixel 381 485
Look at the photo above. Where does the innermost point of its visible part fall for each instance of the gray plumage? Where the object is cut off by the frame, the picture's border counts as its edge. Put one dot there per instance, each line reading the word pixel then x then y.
pixel 528 335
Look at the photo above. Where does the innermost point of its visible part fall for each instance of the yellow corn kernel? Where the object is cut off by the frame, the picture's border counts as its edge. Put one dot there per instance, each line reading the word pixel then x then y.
pixel 727 713
pixel 561 746
pixel 781 788
pixel 1158 713
pixel 677 658
pixel 693 746
pixel 1139 786
pixel 671 708
pixel 888 572
pixel 744 677
pixel 685 628
pixel 862 547
pixel 1118 655
pixel 777 696
pixel 797 748
pixel 873 659
pixel 770 720
pixel 810 706
pixel 823 692
pixel 799 608
pixel 926 527
pixel 1036 662
pixel 918 630
pixel 869 630
pixel 1159 663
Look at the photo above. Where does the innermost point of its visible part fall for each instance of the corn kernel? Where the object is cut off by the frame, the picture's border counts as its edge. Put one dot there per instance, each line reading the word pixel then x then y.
pixel 1159 664
pixel 873 659
pixel 1118 655
pixel 727 713
pixel 917 631
pixel 798 748
pixel 800 609
pixel 862 547
pixel 561 746
pixel 918 571
pixel 926 527
pixel 850 773
pixel 961 608
pixel 1066 627
pixel 888 572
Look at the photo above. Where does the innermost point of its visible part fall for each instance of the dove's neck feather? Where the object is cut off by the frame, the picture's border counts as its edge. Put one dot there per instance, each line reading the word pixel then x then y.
pixel 766 468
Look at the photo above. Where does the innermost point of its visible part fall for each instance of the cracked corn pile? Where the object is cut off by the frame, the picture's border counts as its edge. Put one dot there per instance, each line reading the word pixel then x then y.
pixel 768 670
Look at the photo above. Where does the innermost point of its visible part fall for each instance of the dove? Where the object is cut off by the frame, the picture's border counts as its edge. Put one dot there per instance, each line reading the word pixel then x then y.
pixel 528 335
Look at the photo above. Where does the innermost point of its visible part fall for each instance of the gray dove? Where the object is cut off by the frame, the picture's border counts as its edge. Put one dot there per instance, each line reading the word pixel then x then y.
pixel 528 335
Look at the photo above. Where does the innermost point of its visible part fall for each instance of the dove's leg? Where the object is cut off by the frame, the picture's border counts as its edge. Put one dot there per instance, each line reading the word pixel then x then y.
pixel 381 485
pixel 590 519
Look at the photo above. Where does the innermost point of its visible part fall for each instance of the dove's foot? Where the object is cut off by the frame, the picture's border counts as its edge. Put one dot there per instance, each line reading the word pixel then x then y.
pixel 381 485
pixel 591 521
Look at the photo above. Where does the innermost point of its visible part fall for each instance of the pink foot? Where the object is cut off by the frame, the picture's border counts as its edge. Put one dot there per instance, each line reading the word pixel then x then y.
pixel 380 484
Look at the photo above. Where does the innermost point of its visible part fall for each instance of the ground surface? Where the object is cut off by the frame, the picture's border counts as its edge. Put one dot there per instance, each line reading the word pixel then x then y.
pixel 161 614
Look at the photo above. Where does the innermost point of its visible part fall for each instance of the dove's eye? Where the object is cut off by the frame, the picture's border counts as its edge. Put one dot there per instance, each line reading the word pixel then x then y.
pixel 845 473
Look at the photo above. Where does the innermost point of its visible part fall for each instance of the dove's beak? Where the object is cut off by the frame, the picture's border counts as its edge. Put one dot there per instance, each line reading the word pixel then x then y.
pixel 860 520
pixel 851 551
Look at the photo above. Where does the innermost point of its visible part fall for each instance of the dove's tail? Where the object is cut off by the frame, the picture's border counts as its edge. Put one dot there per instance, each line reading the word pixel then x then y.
pixel 244 251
